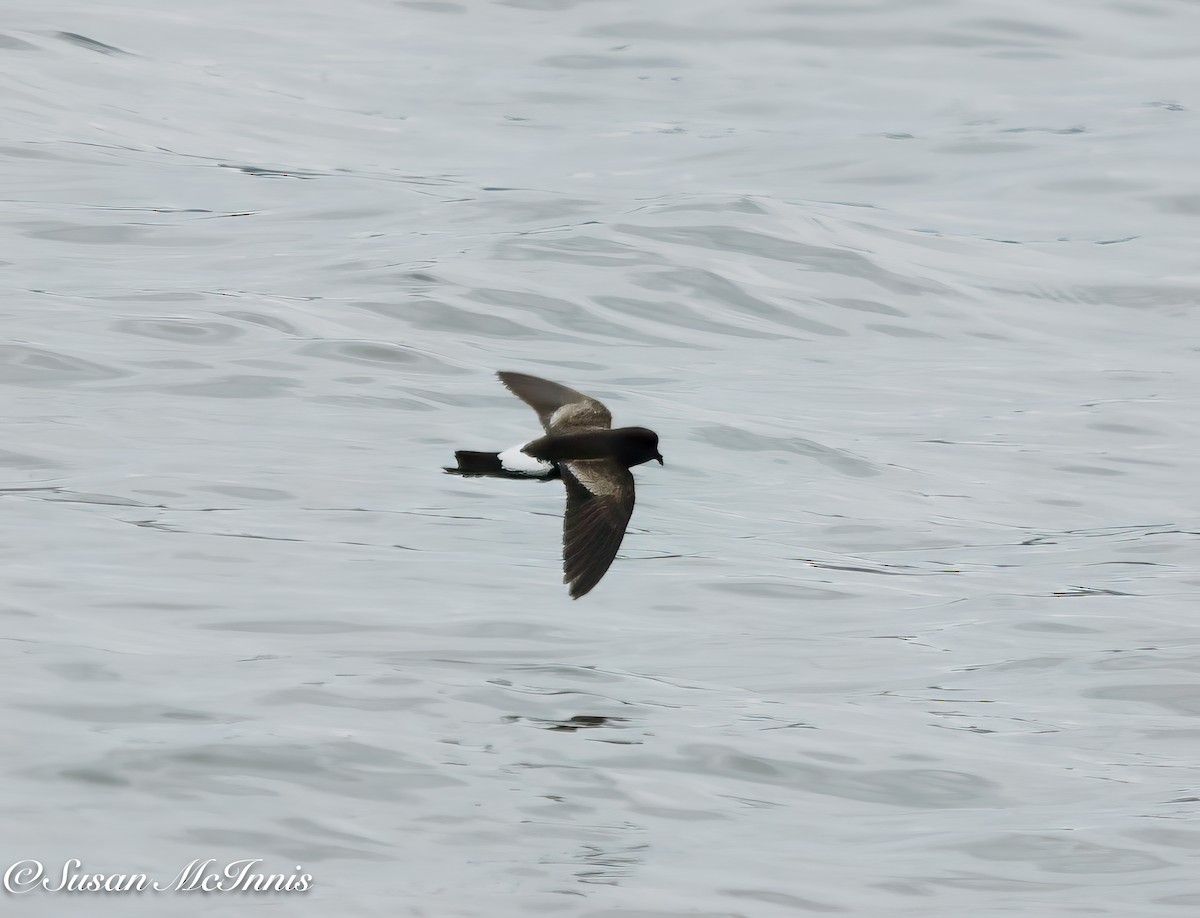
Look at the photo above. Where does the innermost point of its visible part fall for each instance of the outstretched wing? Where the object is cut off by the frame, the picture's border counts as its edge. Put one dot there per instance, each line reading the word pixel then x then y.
pixel 599 505
pixel 561 410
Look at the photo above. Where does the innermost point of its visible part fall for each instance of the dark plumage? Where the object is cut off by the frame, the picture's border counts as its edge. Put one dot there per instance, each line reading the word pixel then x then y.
pixel 593 462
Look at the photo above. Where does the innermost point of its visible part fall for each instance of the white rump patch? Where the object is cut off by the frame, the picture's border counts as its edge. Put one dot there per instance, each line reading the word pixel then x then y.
pixel 513 460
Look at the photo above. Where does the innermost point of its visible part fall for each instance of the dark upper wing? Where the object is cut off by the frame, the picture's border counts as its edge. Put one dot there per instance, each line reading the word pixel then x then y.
pixel 599 505
pixel 561 410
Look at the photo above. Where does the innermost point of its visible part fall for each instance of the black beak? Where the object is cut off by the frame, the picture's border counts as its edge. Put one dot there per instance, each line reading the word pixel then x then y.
pixel 658 456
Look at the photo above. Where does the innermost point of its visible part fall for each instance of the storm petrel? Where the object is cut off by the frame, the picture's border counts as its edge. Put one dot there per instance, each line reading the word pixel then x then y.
pixel 592 460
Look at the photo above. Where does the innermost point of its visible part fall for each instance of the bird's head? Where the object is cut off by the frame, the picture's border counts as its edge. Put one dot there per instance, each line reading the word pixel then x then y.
pixel 639 445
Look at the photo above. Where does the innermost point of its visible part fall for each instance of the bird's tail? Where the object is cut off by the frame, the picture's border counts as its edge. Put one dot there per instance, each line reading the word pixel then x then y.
pixel 472 463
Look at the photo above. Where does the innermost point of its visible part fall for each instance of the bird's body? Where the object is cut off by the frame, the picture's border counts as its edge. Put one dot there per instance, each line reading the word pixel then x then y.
pixel 591 458
pixel 518 462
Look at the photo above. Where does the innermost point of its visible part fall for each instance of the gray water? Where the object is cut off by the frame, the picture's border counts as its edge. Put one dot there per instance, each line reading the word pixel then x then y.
pixel 905 626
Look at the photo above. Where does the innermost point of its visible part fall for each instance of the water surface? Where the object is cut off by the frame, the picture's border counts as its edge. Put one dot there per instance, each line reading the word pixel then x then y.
pixel 904 626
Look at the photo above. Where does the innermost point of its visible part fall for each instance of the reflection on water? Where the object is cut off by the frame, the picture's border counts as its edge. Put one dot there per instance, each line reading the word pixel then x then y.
pixel 908 293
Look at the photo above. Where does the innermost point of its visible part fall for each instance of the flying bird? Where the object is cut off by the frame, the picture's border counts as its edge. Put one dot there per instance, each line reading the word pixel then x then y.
pixel 591 458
